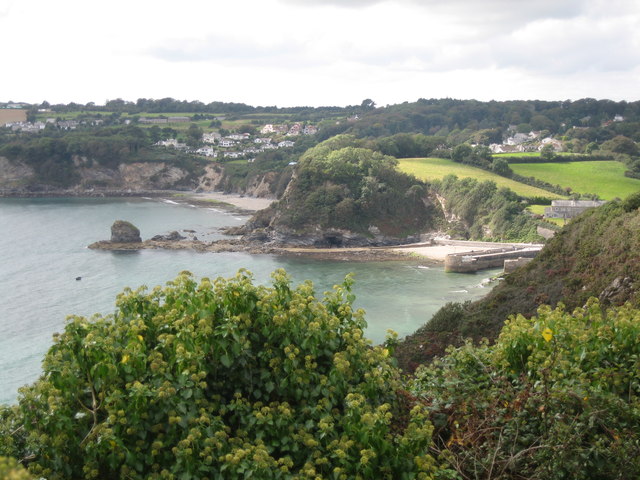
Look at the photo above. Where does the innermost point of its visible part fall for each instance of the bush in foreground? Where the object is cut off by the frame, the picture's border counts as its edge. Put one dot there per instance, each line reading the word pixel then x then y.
pixel 557 397
pixel 221 379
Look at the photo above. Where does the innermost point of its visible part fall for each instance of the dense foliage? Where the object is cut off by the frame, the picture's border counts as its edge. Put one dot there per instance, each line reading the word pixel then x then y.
pixel 338 185
pixel 480 210
pixel 557 397
pixel 484 122
pixel 220 379
pixel 595 255
pixel 56 155
pixel 10 469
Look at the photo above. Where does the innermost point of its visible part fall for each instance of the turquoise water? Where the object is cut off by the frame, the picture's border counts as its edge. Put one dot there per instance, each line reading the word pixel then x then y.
pixel 43 249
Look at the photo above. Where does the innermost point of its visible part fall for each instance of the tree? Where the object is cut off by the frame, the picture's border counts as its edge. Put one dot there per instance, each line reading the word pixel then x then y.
pixel 367 105
pixel 548 153
pixel 194 135
pixel 221 379
pixel 501 167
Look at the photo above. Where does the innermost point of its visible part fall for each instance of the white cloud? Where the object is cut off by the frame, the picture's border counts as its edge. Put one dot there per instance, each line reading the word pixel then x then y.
pixel 290 52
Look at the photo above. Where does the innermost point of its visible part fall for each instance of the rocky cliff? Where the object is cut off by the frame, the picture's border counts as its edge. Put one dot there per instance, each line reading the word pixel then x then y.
pixel 18 178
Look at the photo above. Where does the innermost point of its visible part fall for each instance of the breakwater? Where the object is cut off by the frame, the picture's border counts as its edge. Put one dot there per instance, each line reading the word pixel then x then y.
pixel 481 259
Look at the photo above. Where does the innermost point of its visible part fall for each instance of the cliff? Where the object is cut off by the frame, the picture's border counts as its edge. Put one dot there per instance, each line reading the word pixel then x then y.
pixel 91 178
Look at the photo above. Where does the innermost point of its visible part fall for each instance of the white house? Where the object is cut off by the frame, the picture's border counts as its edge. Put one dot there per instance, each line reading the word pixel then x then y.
pixel 211 137
pixel 207 152
pixel 226 142
pixel 286 143
pixel 239 136
pixel 556 144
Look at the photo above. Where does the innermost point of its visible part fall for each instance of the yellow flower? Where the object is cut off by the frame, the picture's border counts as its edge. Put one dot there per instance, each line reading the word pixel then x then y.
pixel 547 334
pixel 125 359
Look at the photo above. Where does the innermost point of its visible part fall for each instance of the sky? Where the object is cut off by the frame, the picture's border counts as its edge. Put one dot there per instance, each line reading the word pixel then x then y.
pixel 318 52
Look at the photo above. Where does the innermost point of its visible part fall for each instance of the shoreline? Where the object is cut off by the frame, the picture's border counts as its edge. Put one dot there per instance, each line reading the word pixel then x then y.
pixel 428 254
pixel 233 201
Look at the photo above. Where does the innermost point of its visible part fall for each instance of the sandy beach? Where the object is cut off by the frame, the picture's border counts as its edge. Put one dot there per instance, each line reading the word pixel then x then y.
pixel 251 204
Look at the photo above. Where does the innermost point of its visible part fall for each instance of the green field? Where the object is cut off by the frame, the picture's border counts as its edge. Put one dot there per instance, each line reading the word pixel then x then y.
pixel 438 168
pixel 604 178
pixel 530 154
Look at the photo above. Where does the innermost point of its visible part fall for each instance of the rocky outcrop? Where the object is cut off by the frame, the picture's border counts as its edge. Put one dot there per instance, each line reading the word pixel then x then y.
pixel 214 179
pixel 620 289
pixel 173 236
pixel 125 232
pixel 14 174
pixel 318 238
pixel 140 176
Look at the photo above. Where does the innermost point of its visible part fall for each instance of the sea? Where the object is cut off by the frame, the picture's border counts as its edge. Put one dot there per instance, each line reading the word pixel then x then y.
pixel 47 272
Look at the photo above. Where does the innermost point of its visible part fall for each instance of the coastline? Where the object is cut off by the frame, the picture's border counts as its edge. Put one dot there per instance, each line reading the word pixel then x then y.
pixel 429 253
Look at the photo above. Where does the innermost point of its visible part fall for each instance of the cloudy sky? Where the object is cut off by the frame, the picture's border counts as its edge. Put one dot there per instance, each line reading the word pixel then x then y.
pixel 318 52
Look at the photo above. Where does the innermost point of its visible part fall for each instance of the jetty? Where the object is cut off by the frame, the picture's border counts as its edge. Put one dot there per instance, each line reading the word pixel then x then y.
pixel 508 256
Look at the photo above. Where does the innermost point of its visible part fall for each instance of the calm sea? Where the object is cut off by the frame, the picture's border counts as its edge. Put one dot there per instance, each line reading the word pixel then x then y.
pixel 43 250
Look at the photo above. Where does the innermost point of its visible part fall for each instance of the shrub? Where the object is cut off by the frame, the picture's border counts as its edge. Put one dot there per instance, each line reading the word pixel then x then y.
pixel 223 379
pixel 556 397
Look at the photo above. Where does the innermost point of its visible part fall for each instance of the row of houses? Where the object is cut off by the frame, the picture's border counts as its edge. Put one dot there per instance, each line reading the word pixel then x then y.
pixel 525 142
pixel 29 127
pixel 213 152
pixel 293 130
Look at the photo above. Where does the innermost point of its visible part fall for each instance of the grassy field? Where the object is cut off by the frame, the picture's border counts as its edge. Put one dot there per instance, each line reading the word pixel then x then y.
pixel 529 154
pixel 437 168
pixel 604 178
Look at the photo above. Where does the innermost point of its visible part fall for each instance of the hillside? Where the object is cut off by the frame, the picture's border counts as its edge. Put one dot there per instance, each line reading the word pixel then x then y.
pixel 595 255
pixel 343 195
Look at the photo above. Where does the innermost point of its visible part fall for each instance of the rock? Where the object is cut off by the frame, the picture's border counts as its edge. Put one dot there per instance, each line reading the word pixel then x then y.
pixel 124 232
pixel 617 292
pixel 170 237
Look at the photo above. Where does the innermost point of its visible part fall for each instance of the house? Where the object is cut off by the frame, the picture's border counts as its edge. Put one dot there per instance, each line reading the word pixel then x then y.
pixel 310 130
pixel 226 142
pixel 262 140
pixel 211 137
pixel 268 128
pixel 153 120
pixel 286 143
pixel 556 144
pixel 569 208
pixel 179 119
pixel 207 152
pixel 232 154
pixel 239 136
pixel 68 124
pixel 295 129
pixel 517 139
pixel 499 148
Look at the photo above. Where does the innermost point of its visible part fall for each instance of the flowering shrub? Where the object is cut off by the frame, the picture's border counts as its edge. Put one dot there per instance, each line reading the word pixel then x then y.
pixel 222 380
pixel 557 397
pixel 11 470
